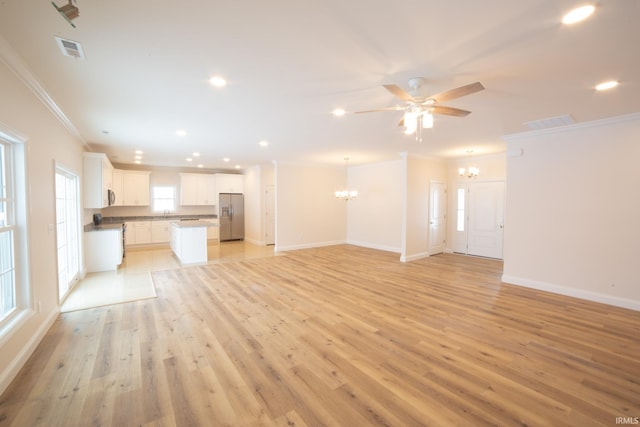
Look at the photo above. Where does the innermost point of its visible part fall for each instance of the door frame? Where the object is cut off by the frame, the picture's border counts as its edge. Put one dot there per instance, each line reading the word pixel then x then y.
pixel 436 249
pixel 460 239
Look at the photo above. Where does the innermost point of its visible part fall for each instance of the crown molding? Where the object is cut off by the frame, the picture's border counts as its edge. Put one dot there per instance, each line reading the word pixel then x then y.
pixel 568 128
pixel 13 61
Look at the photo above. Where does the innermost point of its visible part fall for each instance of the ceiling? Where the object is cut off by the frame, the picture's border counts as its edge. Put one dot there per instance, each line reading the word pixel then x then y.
pixel 290 63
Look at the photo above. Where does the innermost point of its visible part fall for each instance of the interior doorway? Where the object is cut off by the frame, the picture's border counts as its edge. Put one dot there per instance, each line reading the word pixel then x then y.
pixel 479 226
pixel 437 217
pixel 270 215
pixel 67 230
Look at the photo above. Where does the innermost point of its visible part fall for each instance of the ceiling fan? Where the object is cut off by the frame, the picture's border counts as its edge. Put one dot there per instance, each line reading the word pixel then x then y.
pixel 419 110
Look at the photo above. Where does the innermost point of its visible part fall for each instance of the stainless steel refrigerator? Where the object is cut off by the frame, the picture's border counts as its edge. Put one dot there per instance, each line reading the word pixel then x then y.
pixel 231 216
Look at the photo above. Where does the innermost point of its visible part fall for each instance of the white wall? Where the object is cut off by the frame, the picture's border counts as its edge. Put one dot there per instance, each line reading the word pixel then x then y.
pixel 256 179
pixel 48 142
pixel 420 172
pixel 307 211
pixel 573 210
pixel 374 218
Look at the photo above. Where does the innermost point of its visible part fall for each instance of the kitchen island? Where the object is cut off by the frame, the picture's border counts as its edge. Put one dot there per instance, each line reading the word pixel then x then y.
pixel 189 240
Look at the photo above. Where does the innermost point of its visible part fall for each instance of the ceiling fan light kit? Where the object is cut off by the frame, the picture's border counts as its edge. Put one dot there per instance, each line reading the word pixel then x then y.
pixel 419 110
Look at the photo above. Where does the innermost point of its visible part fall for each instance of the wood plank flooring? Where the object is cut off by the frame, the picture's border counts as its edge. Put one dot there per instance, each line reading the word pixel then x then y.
pixel 336 336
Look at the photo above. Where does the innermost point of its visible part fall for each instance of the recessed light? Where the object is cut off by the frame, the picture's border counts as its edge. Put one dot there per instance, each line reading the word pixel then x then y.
pixel 263 143
pixel 607 85
pixel 137 157
pixel 237 166
pixel 138 151
pixel 578 14
pixel 200 166
pixel 181 132
pixel 137 162
pixel 339 112
pixel 217 81
pixel 226 159
pixel 196 154
pixel 189 159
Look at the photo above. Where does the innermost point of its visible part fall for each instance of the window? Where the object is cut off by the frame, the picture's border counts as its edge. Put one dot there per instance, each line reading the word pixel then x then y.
pixel 164 199
pixel 7 235
pixel 14 279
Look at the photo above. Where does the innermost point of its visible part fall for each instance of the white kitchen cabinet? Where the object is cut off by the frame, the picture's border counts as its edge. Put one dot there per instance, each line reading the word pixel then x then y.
pixel 97 180
pixel 117 186
pixel 135 188
pixel 189 241
pixel 138 233
pixel 197 189
pixel 229 183
pixel 160 231
pixel 103 249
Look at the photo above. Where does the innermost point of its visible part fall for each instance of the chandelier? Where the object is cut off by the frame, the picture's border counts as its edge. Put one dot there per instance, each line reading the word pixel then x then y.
pixel 471 172
pixel 347 194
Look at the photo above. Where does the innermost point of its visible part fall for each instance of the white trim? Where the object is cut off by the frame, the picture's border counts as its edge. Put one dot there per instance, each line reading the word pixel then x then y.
pixel 279 248
pixel 568 128
pixel 414 257
pixel 374 246
pixel 255 242
pixel 11 371
pixel 20 69
pixel 573 292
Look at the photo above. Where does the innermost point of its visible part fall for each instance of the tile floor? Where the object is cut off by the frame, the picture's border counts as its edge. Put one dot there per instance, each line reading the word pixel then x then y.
pixel 132 281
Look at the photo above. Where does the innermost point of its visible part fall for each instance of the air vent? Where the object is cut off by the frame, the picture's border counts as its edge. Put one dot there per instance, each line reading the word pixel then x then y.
pixel 70 48
pixel 551 122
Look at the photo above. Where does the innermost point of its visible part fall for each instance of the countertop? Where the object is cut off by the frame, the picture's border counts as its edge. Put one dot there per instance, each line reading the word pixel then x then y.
pixel 121 219
pixel 113 222
pixel 103 227
pixel 193 223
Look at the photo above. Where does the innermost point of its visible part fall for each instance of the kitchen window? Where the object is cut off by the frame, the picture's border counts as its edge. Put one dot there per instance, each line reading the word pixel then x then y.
pixel 13 260
pixel 164 199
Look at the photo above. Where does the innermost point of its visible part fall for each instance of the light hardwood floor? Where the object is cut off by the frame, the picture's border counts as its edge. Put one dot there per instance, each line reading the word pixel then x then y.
pixel 338 336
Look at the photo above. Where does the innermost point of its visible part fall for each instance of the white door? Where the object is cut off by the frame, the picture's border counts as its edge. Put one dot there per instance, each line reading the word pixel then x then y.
pixel 270 215
pixel 486 219
pixel 437 217
pixel 67 230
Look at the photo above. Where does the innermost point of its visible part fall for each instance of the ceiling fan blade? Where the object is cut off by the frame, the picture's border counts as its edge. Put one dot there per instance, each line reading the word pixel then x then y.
pixel 457 92
pixel 380 109
pixel 399 92
pixel 449 111
pixel 401 122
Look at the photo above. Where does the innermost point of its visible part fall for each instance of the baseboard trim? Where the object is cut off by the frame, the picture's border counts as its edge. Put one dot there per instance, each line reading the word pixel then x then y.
pixel 279 248
pixel 573 292
pixel 11 371
pixel 374 246
pixel 414 257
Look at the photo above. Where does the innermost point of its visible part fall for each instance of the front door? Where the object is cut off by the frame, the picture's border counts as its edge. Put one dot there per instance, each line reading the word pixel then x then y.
pixel 437 217
pixel 486 219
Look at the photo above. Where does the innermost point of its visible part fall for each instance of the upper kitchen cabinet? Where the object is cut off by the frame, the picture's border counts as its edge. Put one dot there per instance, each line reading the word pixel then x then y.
pixel 197 189
pixel 98 179
pixel 229 183
pixel 135 188
pixel 131 188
